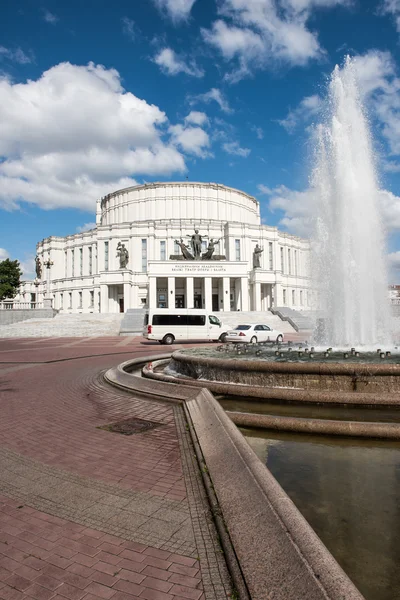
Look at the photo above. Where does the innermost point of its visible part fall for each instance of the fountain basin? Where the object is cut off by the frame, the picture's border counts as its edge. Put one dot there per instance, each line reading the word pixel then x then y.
pixel 288 376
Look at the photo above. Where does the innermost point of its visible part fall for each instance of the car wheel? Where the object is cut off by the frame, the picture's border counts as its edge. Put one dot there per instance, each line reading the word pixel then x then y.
pixel 222 337
pixel 253 340
pixel 279 339
pixel 168 339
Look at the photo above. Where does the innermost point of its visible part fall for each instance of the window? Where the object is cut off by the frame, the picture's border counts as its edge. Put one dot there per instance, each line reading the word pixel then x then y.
pixel 106 256
pixel 80 299
pixel 237 249
pixel 295 262
pixel 301 297
pixel 284 297
pixel 162 250
pixel 242 327
pixel 80 261
pixel 271 256
pixel 282 263
pixel 204 246
pixel 177 248
pixel 90 261
pixel 214 320
pixel 91 299
pixel 70 300
pixel 289 262
pixel 65 264
pixel 293 298
pixel 72 262
pixel 61 300
pixel 144 256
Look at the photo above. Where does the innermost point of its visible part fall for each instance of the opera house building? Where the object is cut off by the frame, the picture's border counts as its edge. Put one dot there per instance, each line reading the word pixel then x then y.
pixel 173 245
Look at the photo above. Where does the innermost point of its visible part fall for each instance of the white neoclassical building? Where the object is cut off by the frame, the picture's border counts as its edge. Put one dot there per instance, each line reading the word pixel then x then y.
pixel 84 272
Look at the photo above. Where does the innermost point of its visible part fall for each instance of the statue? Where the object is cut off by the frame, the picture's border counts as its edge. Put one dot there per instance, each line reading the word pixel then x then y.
pixel 210 250
pixel 185 250
pixel 38 267
pixel 257 257
pixel 123 254
pixel 196 240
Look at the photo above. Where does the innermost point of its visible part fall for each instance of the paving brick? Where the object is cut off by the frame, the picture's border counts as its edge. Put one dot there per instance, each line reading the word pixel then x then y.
pixel 100 590
pixel 157 584
pixel 128 587
pixel 157 553
pixel 182 560
pixel 18 582
pixel 9 593
pixel 27 572
pixel 185 580
pixel 157 573
pixel 48 582
pixel 112 559
pixel 110 548
pixel 131 555
pixel 157 562
pixel 39 592
pixel 70 591
pixel 185 592
pixel 150 594
pixel 76 580
pixel 104 579
pixel 131 565
pixel 105 568
pixel 183 570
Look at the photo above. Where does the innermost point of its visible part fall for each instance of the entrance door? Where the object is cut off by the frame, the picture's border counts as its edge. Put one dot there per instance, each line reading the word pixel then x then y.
pixel 197 301
pixel 179 302
pixel 215 305
pixel 121 305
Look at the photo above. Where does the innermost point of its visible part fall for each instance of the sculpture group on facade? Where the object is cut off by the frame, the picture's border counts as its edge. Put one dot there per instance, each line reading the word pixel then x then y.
pixel 193 251
pixel 123 255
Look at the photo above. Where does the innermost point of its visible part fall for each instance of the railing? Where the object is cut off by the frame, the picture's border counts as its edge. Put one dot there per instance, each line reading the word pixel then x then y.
pixel 11 305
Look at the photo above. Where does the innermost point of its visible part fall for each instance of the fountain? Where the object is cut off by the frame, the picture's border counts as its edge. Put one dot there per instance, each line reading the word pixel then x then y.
pixel 350 285
pixel 348 241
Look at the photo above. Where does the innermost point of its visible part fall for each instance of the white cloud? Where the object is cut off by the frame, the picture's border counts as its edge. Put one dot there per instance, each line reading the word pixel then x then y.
pixel 258 131
pixel 197 118
pixel 27 267
pixel 177 10
pixel 308 107
pixel 213 95
pixel 171 64
pixel 128 27
pixel 234 148
pixel 296 206
pixel 49 17
pixel 254 34
pixel 392 7
pixel 193 140
pixel 17 55
pixel 4 254
pixel 85 227
pixel 263 189
pixel 75 134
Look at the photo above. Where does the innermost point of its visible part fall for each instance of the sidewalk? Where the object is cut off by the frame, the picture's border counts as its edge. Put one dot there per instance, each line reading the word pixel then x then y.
pixel 87 513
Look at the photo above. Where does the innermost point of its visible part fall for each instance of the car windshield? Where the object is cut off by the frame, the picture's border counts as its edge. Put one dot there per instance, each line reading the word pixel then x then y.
pixel 243 327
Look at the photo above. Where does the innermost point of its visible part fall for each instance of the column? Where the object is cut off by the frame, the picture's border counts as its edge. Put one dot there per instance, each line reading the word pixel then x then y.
pixel 226 306
pixel 134 297
pixel 278 300
pixel 127 296
pixel 171 292
pixel 152 292
pixel 257 296
pixel 244 293
pixel 208 293
pixel 189 292
pixel 103 298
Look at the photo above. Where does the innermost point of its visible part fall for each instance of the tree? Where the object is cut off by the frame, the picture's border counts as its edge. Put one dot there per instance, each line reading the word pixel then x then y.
pixel 10 275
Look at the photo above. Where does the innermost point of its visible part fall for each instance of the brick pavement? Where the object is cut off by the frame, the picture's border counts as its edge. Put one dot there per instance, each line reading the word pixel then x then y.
pixel 90 514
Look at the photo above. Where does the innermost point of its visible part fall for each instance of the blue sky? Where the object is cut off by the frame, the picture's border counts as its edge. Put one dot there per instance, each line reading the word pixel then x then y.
pixel 100 95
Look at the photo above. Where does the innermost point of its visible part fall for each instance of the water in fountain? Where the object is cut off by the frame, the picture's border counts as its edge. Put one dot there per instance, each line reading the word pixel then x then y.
pixel 348 242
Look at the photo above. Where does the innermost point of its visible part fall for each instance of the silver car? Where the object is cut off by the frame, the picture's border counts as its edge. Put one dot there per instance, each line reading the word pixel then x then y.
pixel 253 334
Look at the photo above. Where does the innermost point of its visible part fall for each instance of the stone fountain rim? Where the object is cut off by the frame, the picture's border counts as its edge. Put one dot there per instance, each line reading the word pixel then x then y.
pixel 313 367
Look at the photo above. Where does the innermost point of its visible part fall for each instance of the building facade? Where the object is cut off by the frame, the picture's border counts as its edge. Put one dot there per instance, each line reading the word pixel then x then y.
pixel 153 223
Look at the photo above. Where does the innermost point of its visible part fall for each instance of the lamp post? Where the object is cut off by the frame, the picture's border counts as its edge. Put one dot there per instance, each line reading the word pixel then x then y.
pixel 47 301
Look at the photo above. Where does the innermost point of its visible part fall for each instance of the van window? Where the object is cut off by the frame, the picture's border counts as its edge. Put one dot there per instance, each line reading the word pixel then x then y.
pixel 170 320
pixel 196 320
pixel 213 320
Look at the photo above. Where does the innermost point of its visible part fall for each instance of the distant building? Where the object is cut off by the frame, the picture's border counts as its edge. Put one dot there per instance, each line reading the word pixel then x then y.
pixel 148 222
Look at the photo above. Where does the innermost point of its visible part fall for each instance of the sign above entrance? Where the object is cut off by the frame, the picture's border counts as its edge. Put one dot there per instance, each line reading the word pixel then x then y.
pixel 193 251
pixel 203 269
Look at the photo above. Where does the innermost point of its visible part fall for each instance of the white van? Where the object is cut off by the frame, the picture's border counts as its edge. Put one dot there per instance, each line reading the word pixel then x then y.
pixel 167 325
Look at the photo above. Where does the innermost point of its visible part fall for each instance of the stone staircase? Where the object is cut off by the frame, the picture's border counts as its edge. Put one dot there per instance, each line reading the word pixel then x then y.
pixel 300 321
pixel 132 323
pixel 66 325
